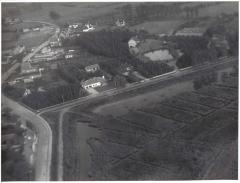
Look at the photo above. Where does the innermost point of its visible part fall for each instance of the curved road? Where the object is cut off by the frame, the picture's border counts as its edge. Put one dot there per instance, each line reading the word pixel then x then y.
pixel 43 154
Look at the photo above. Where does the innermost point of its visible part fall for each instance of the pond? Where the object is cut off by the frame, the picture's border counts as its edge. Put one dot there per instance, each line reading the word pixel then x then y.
pixel 159 55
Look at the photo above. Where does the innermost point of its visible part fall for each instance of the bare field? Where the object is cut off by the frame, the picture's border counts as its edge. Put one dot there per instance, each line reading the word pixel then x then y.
pixel 158 27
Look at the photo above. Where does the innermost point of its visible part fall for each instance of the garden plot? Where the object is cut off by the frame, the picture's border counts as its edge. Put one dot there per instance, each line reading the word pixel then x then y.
pixel 233 105
pixel 117 151
pixel 183 159
pixel 231 82
pixel 135 140
pixel 191 107
pixel 220 118
pixel 152 122
pixel 219 92
pixel 77 117
pixel 134 170
pixel 222 136
pixel 117 125
pixel 193 133
pixel 171 113
pixel 203 100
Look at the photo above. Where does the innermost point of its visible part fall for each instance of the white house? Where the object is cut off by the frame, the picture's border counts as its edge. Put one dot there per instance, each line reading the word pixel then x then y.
pixel 68 56
pixel 94 82
pixel 89 27
pixel 120 23
pixel 133 42
pixel 92 68
pixel 27 92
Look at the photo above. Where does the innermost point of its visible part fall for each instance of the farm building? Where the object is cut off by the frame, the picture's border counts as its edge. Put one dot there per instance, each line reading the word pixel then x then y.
pixel 191 31
pixel 133 42
pixel 94 82
pixel 92 68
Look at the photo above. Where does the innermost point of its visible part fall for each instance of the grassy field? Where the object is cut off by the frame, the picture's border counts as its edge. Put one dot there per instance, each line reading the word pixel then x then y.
pixel 158 27
pixel 68 11
pixel 225 7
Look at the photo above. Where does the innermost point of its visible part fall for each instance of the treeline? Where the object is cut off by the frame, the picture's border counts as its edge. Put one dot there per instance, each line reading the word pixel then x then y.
pixel 194 50
pixel 14 164
pixel 52 96
pixel 74 75
pixel 197 57
pixel 151 69
pixel 188 44
pixel 113 44
pixel 104 43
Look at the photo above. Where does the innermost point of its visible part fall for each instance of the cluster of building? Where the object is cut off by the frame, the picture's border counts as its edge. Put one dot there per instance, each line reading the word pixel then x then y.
pixel 28 73
pixel 75 30
pixel 95 81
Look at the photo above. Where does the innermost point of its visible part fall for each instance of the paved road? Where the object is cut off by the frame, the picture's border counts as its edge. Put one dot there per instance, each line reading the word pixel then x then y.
pixel 43 152
pixel 148 82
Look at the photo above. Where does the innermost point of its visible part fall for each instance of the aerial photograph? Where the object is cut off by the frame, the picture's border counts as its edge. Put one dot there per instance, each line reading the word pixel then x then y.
pixel 119 91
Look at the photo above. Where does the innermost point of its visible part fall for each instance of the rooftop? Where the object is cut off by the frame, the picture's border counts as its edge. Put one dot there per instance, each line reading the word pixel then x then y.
pixel 90 67
pixel 93 80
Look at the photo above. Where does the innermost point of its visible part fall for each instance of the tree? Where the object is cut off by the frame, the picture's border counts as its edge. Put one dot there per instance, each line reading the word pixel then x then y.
pixel 184 61
pixel 54 15
pixel 119 81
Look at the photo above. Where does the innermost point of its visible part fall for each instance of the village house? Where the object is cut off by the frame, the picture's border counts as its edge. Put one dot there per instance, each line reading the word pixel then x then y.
pixel 67 56
pixel 92 68
pixel 94 82
pixel 120 23
pixel 89 27
pixel 26 30
pixel 191 31
pixel 133 42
